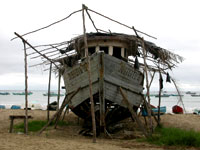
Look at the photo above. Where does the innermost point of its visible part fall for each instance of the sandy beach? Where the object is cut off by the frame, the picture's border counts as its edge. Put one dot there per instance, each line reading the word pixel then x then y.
pixel 68 138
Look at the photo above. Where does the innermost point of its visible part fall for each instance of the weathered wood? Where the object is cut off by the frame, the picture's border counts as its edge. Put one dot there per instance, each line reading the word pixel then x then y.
pixel 26 91
pixel 35 49
pixel 65 102
pixel 50 24
pixel 66 111
pixel 13 117
pixel 89 76
pixel 120 23
pixel 160 90
pixel 58 98
pixel 49 90
pixel 101 93
pixel 147 86
pixel 134 115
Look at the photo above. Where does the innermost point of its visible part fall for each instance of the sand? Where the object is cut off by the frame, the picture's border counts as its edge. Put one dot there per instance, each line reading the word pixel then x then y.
pixel 68 138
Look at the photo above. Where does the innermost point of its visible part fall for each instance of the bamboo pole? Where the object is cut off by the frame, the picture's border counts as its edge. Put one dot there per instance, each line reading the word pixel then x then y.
pixel 89 76
pixel 147 87
pixel 134 115
pixel 26 90
pixel 49 89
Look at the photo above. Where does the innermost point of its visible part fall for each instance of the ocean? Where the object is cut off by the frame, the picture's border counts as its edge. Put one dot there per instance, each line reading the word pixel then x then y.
pixel 38 101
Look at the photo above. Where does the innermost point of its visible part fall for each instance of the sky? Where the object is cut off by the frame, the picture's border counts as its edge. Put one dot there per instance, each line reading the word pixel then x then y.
pixel 175 23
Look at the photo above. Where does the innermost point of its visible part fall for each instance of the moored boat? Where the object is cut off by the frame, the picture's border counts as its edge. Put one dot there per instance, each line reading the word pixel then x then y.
pixel 195 95
pixel 4 93
pixel 22 93
pixel 177 109
pixel 163 95
pixel 52 94
pixel 163 110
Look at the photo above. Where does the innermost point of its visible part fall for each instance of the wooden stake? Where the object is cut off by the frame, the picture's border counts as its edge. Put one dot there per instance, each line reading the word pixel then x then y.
pixel 147 87
pixel 26 90
pixel 134 115
pixel 89 76
pixel 57 114
pixel 49 88
pixel 160 90
pixel 58 98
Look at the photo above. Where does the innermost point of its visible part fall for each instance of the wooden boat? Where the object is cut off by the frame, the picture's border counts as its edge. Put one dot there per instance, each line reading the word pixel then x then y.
pixel 110 69
pixel 163 110
pixel 163 95
pixel 2 106
pixel 52 94
pixel 196 111
pixel 22 93
pixel 15 107
pixel 189 92
pixel 195 95
pixel 4 93
pixel 177 109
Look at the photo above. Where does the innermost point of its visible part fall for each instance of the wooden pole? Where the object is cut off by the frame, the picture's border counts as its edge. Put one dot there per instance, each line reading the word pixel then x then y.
pixel 160 90
pixel 147 87
pixel 58 98
pixel 49 87
pixel 178 93
pixel 26 90
pixel 89 76
pixel 134 115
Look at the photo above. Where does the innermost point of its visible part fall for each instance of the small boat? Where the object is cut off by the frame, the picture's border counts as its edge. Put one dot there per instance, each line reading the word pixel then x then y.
pixel 177 109
pixel 163 95
pixel 4 93
pixel 176 95
pixel 189 92
pixel 155 110
pixel 52 94
pixel 195 95
pixel 22 93
pixel 15 107
pixel 196 111
pixel 2 107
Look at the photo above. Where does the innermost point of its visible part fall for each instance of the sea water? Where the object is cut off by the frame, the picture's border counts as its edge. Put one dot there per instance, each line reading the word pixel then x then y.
pixel 35 100
pixel 38 101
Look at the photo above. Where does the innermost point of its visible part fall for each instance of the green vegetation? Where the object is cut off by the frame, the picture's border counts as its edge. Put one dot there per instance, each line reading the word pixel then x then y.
pixel 36 125
pixel 175 137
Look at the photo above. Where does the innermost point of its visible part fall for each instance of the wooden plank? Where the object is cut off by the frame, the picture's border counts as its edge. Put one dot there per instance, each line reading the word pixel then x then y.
pixel 123 74
pixel 113 94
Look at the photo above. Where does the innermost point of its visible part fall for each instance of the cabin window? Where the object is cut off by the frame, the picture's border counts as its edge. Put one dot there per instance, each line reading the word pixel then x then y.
pixel 117 52
pixel 104 48
pixel 91 50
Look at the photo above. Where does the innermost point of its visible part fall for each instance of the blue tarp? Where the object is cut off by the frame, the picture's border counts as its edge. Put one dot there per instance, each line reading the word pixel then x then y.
pixel 2 107
pixel 15 107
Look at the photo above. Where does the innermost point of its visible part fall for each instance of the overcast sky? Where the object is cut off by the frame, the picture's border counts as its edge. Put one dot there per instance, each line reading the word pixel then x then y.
pixel 175 23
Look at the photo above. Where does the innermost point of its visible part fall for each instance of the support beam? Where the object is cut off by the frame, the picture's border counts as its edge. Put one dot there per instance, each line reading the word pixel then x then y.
pixel 49 90
pixel 58 113
pixel 101 93
pixel 134 115
pixel 26 90
pixel 89 76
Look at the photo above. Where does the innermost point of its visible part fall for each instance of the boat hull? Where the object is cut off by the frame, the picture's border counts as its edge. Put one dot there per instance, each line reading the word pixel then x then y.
pixel 107 75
